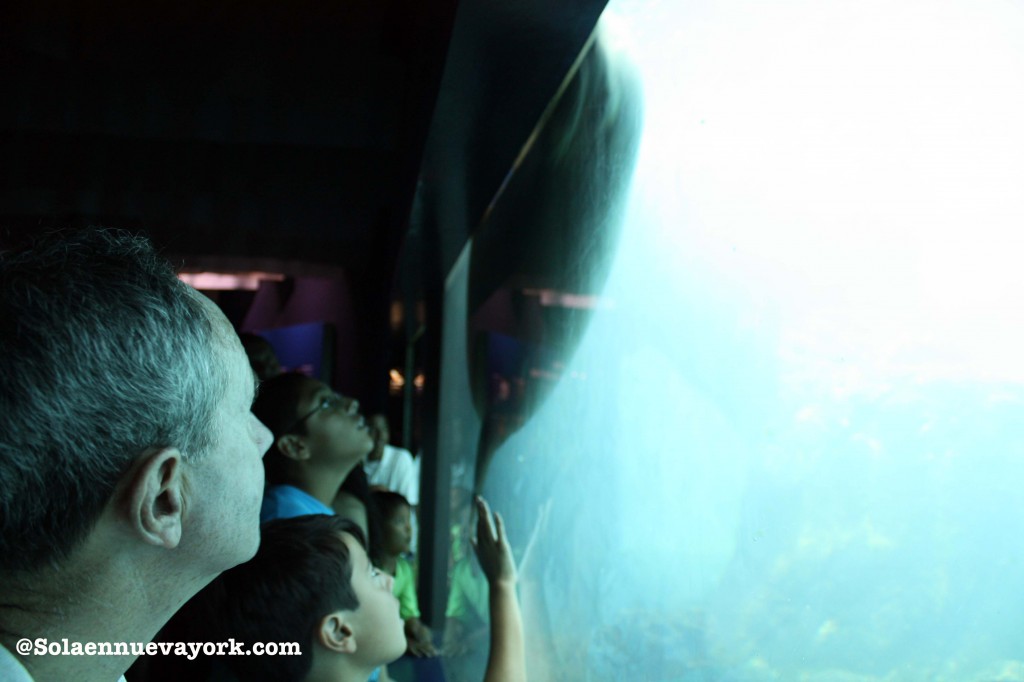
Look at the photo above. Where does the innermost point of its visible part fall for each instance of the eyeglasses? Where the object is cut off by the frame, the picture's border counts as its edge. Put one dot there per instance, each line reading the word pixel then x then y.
pixel 331 402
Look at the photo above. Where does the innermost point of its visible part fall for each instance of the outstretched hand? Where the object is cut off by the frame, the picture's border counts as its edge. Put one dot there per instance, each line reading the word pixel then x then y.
pixel 491 545
pixel 507 659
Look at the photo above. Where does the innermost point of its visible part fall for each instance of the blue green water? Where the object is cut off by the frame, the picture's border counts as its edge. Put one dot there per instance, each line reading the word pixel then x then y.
pixel 788 443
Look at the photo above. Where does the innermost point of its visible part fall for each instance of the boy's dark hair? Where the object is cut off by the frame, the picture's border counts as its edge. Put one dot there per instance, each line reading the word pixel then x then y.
pixel 262 357
pixel 277 406
pixel 301 572
pixel 387 502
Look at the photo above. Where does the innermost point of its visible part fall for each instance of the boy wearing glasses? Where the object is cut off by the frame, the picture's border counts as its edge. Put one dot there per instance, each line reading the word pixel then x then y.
pixel 319 437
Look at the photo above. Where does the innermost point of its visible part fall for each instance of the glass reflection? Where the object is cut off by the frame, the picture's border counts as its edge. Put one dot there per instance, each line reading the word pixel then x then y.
pixel 785 445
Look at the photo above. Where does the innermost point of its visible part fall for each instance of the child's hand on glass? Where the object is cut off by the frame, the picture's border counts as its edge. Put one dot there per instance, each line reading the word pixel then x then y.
pixel 491 545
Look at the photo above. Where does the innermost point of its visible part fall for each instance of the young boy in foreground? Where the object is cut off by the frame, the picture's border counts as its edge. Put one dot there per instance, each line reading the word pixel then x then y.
pixel 311 582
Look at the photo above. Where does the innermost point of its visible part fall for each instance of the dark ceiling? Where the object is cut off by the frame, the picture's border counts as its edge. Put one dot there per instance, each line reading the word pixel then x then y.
pixel 261 133
pixel 283 130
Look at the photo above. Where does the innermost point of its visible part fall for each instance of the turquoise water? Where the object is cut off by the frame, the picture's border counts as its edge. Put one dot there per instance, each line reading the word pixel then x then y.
pixel 788 444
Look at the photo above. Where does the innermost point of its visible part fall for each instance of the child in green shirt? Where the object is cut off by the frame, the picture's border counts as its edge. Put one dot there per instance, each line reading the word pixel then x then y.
pixel 396 536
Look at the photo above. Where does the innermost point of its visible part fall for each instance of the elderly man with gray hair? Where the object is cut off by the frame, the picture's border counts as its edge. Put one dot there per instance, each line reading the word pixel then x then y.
pixel 130 462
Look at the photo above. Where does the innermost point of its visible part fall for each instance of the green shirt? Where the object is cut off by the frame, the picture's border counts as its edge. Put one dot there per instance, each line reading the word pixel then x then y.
pixel 405 589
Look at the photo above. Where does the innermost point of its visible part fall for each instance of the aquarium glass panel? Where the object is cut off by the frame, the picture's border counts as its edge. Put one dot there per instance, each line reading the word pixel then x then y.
pixel 788 443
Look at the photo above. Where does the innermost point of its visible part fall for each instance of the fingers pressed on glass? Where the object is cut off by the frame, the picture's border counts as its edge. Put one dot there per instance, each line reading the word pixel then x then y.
pixel 499 527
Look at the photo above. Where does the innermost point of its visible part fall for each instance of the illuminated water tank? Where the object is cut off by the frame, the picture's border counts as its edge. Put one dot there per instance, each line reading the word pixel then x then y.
pixel 786 442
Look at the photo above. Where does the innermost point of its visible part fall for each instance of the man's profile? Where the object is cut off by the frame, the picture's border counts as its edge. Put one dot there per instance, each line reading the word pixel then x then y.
pixel 130 463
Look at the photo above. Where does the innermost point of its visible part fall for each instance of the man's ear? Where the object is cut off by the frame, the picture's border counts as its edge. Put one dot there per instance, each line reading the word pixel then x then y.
pixel 335 633
pixel 293 447
pixel 155 498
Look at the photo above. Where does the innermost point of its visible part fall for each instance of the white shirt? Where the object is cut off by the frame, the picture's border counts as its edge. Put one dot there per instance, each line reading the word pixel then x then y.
pixel 397 471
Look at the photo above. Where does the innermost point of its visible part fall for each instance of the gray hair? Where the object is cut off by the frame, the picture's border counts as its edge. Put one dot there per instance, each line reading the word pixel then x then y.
pixel 104 354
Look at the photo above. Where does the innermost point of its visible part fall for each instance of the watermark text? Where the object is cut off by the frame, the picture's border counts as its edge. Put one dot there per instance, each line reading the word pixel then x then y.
pixel 190 650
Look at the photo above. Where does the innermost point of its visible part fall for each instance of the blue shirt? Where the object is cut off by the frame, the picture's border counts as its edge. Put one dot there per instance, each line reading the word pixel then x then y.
pixel 286 501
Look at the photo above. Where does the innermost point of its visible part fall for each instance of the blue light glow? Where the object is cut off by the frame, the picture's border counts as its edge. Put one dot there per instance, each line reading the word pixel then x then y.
pixel 788 447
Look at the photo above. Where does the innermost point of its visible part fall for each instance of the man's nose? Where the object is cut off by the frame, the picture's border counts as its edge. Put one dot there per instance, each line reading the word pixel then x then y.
pixel 264 437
